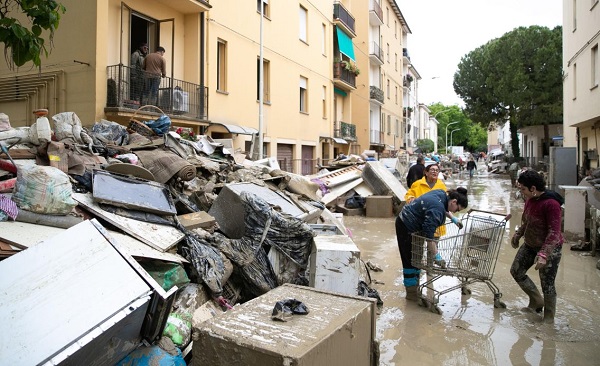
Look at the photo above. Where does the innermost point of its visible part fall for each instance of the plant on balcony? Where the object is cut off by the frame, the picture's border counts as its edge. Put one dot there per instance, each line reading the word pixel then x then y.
pixel 351 67
pixel 409 78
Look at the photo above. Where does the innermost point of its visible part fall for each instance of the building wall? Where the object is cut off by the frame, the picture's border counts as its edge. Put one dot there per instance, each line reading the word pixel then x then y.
pixel 581 29
pixel 361 96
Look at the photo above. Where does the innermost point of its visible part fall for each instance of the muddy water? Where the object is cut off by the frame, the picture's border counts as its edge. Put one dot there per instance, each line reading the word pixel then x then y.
pixel 470 331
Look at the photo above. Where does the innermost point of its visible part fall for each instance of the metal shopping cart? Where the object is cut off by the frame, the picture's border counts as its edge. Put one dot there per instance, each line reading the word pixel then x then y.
pixel 469 254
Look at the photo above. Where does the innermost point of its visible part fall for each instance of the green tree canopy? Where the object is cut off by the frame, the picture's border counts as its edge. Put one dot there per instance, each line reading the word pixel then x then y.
pixel 25 43
pixel 426 145
pixel 516 78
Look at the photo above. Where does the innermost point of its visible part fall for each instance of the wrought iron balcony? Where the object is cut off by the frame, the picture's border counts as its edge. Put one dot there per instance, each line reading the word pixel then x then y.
pixel 129 89
pixel 343 17
pixel 344 130
pixel 343 77
pixel 376 54
pixel 376 94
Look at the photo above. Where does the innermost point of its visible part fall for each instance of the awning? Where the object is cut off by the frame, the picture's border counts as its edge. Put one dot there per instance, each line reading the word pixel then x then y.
pixel 340 92
pixel 240 130
pixel 339 140
pixel 345 44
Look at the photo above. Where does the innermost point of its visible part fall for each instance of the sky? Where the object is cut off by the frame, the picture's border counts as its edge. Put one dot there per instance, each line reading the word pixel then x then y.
pixel 443 31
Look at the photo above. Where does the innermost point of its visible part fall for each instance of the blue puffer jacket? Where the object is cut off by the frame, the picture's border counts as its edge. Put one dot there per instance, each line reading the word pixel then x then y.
pixel 425 213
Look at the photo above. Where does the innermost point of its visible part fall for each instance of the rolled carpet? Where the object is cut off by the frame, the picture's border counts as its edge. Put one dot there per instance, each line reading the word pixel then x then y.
pixel 165 164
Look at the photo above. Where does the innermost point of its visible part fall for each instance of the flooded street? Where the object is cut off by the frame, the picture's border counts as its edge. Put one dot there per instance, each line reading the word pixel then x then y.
pixel 470 330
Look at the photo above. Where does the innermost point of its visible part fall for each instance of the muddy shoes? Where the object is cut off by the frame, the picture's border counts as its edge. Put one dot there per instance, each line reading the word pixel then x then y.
pixel 549 308
pixel 536 301
pixel 412 293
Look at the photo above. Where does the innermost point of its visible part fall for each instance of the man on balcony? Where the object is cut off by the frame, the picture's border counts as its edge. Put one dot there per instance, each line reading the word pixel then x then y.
pixel 137 72
pixel 155 67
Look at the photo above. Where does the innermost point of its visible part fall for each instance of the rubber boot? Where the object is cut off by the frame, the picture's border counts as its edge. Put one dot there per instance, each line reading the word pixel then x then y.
pixel 412 293
pixel 536 301
pixel 549 308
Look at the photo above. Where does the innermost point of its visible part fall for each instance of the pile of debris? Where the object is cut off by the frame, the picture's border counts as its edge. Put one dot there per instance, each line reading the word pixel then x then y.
pixel 193 220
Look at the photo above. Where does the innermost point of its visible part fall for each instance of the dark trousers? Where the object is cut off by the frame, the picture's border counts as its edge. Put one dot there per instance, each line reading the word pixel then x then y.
pixel 403 236
pixel 525 259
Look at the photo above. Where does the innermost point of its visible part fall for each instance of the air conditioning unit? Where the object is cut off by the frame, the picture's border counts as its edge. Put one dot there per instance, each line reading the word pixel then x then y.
pixel 181 102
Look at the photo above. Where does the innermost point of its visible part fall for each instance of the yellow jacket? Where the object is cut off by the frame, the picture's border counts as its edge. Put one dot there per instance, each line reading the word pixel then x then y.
pixel 421 187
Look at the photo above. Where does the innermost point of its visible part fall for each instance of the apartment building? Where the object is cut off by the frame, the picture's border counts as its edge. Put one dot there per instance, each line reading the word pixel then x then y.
pixel 581 67
pixel 320 62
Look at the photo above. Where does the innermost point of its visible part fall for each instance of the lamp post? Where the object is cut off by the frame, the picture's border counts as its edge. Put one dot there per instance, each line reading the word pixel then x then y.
pixel 448 125
pixel 451 132
pixel 443 110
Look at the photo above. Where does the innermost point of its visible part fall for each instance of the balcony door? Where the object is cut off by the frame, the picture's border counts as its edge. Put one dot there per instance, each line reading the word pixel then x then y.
pixel 138 28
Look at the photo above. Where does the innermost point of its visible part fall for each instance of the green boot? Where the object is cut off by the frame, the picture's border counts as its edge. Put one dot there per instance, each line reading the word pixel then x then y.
pixel 536 301
pixel 549 308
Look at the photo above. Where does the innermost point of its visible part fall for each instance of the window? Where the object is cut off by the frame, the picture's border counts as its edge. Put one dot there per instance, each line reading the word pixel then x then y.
pixel 303 18
pixel 396 95
pixel 387 55
pixel 396 61
pixel 265 8
pixel 574 15
pixel 387 16
pixel 324 40
pixel 388 88
pixel 324 101
pixel 303 95
pixel 266 80
pixel 595 67
pixel 396 29
pixel 397 128
pixel 574 82
pixel 389 124
pixel 221 65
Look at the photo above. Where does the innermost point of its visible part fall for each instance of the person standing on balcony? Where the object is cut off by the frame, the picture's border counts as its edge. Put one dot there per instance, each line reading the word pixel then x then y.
pixel 137 72
pixel 155 67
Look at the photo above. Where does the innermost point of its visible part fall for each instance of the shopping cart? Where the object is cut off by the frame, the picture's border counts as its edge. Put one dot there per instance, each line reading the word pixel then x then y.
pixel 469 254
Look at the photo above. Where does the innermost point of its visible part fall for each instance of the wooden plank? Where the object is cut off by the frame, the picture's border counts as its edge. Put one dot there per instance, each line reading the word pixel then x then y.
pixel 18 154
pixel 160 237
pixel 24 235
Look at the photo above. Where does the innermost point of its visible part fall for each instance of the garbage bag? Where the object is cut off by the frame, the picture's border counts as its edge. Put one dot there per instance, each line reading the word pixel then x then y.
pixel 355 201
pixel 284 309
pixel 43 189
pixel 162 354
pixel 206 261
pixel 109 132
pixel 161 125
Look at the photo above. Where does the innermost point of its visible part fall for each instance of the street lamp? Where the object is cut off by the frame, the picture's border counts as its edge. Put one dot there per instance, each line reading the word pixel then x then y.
pixel 451 132
pixel 443 110
pixel 448 125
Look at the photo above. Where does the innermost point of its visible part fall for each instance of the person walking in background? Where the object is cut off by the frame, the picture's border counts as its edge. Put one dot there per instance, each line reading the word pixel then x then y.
pixel 471 166
pixel 416 171
pixel 137 72
pixel 513 171
pixel 155 67
pixel 424 215
pixel 543 240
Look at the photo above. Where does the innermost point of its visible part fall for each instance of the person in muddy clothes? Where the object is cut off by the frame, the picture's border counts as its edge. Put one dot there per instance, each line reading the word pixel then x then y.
pixel 541 229
pixel 424 215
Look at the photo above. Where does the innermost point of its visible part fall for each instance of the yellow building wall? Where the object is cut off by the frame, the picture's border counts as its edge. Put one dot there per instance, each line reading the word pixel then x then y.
pixel 361 96
pixel 238 24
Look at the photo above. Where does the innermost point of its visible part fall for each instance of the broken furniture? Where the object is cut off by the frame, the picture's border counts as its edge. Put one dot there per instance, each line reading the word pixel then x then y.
pixel 77 299
pixel 335 264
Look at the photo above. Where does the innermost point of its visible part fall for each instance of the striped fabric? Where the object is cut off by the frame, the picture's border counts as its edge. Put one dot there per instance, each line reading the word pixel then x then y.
pixel 8 206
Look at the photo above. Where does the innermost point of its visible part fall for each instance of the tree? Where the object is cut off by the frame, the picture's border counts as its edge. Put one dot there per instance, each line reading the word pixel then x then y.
pixel 516 78
pixel 426 145
pixel 24 44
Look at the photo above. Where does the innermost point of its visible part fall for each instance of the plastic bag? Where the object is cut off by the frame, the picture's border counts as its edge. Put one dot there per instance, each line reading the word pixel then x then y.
pixel 107 131
pixel 161 125
pixel 43 189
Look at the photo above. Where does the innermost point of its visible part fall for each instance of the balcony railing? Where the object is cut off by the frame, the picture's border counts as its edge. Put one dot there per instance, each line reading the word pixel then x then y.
pixel 340 13
pixel 341 73
pixel 130 89
pixel 376 53
pixel 344 130
pixel 375 13
pixel 377 137
pixel 376 94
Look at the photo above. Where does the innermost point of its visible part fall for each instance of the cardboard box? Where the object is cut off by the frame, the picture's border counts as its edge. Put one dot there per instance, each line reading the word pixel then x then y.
pixel 334 264
pixel 379 206
pixel 338 331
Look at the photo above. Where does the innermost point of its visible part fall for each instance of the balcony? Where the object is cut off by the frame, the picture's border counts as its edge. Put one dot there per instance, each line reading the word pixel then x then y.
pixel 377 137
pixel 376 94
pixel 343 130
pixel 375 13
pixel 343 18
pixel 343 78
pixel 406 56
pixel 376 54
pixel 180 100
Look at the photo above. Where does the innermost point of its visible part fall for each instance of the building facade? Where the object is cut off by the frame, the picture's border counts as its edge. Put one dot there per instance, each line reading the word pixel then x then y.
pixel 306 80
pixel 581 91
